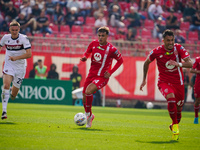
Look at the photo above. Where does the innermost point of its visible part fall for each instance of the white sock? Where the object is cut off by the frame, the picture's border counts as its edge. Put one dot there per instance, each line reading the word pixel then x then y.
pixel 5 98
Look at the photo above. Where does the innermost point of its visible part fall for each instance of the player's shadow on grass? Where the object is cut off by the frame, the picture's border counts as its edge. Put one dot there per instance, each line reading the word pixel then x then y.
pixel 11 123
pixel 86 129
pixel 157 142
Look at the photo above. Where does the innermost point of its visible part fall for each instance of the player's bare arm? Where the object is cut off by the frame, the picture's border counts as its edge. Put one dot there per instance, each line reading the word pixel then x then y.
pixel 83 58
pixel 186 64
pixel 0 48
pixel 192 70
pixel 145 70
pixel 28 54
pixel 107 75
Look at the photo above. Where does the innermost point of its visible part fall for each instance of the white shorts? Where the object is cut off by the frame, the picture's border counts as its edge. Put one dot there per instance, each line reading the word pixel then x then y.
pixel 18 75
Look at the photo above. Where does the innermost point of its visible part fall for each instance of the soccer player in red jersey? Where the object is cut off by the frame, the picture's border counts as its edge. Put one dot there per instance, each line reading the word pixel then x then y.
pixel 170 81
pixel 100 71
pixel 196 69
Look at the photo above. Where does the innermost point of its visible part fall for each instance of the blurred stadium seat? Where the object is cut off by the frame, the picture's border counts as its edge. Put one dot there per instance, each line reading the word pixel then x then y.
pixel 64 29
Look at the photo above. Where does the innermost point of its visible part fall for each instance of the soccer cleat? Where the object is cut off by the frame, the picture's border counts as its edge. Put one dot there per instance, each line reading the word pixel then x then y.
pixel 170 127
pixel 4 115
pixel 175 131
pixel 89 121
pixel 196 120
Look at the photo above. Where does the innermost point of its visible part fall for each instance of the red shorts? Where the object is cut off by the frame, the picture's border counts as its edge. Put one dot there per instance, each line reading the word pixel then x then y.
pixel 177 89
pixel 196 91
pixel 98 81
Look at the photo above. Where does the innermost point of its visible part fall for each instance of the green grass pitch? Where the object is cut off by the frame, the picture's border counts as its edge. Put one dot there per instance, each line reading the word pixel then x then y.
pixel 51 127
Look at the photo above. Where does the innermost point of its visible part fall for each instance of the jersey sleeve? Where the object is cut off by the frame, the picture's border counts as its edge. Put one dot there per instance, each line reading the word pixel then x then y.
pixel 89 50
pixel 116 54
pixel 182 52
pixel 2 42
pixel 152 55
pixel 26 43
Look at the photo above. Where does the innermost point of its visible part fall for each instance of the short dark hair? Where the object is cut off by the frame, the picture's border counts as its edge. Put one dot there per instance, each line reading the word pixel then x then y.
pixel 39 60
pixel 168 32
pixel 104 29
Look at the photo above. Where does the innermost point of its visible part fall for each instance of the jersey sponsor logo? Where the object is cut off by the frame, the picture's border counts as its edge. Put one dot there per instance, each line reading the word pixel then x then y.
pixel 14 47
pixel 168 53
pixel 100 48
pixel 169 66
pixel 97 56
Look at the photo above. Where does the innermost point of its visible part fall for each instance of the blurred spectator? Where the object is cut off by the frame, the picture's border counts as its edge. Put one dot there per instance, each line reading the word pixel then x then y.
pixel 26 9
pixel 97 98
pixel 110 7
pixel 178 37
pixel 195 25
pixel 63 3
pixel 186 83
pixel 36 11
pixel 134 18
pixel 189 12
pixel 158 30
pixel 116 18
pixel 10 12
pixel 40 70
pixel 58 15
pixel 140 48
pixel 85 9
pixel 71 17
pixel 41 4
pixel 23 23
pixel 134 4
pixel 130 36
pixel 49 7
pixel 145 4
pixel 76 78
pixel 52 74
pixel 100 22
pixel 169 5
pixel 155 11
pixel 32 72
pixel 41 23
pixel 97 8
pixel 73 3
pixel 172 21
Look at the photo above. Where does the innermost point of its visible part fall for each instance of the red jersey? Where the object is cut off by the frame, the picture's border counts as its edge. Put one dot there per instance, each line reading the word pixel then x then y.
pixel 102 56
pixel 196 66
pixel 169 73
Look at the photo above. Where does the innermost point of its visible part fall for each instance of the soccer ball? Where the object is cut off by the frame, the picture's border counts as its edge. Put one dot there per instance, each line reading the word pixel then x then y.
pixel 80 119
pixel 149 105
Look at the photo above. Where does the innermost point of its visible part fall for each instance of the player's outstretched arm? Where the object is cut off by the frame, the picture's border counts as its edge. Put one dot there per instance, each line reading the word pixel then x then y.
pixel 84 58
pixel 145 70
pixel 28 54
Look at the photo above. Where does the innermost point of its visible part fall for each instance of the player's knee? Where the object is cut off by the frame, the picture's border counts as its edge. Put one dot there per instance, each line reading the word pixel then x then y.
pixel 88 92
pixel 6 86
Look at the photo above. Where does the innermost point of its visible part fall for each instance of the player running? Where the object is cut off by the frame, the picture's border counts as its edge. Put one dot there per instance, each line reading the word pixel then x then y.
pixel 170 80
pixel 100 71
pixel 18 49
pixel 196 69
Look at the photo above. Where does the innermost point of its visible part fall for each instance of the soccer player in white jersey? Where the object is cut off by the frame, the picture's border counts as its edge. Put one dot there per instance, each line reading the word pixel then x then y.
pixel 18 49
pixel 169 58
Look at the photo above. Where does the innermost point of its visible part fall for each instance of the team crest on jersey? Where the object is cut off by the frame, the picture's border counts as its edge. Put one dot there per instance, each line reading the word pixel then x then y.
pixel 169 66
pixel 97 56
pixel 17 41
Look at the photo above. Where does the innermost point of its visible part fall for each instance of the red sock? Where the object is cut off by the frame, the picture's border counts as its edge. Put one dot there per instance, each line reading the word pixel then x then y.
pixel 84 105
pixel 179 115
pixel 89 99
pixel 196 110
pixel 172 110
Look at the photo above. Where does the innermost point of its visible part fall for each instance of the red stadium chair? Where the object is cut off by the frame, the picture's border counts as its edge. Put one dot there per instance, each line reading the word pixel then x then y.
pixel 90 21
pixel 88 30
pixel 149 24
pixel 64 29
pixel 50 38
pixel 54 28
pixel 61 38
pixel 184 26
pixel 76 29
pixel 123 5
pixel 183 33
pixel 193 35
pixel 146 34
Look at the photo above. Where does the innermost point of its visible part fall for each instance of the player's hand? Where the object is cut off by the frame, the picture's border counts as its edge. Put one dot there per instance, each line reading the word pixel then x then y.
pixel 12 58
pixel 172 62
pixel 142 85
pixel 83 58
pixel 106 75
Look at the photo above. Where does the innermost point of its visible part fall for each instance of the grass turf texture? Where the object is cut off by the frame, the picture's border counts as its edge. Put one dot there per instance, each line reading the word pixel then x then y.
pixel 31 126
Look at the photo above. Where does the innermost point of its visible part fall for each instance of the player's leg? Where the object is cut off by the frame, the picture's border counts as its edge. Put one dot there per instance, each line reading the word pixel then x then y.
pixel 7 79
pixel 196 110
pixel 14 92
